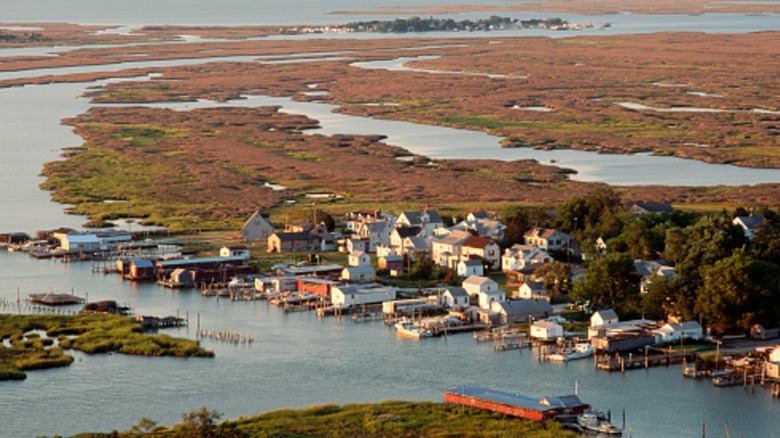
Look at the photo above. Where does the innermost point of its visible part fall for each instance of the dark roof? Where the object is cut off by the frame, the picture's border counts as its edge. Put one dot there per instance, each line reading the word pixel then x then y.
pixel 751 222
pixel 525 307
pixel 651 207
pixel 405 232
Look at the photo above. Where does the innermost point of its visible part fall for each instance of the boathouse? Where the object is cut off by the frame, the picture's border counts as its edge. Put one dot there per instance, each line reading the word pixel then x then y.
pixel 516 405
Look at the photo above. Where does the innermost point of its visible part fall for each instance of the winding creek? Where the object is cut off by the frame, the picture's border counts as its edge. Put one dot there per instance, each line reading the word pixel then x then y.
pixel 297 359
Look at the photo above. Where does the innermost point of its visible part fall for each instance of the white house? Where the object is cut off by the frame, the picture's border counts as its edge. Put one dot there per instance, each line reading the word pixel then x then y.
pixel 428 220
pixel 484 248
pixel 377 233
pixel 476 284
pixel 454 297
pixel 673 332
pixel 518 257
pixel 548 239
pixel 359 258
pixel 469 267
pixel 546 329
pixel 482 225
pixel 80 242
pixel 357 295
pixel 358 273
pixel 487 298
pixel 235 251
pixel 603 317
pixel 533 290
pixel 257 227
pixel 444 248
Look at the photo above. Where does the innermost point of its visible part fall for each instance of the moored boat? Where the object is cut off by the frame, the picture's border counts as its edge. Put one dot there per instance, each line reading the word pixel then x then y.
pixel 580 350
pixel 592 422
pixel 409 329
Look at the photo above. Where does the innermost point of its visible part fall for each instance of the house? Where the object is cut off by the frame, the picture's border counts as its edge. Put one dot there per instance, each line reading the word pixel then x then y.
pixel 518 257
pixel 481 225
pixel 80 242
pixel 377 233
pixel 475 285
pixel 358 295
pixel 749 224
pixel 531 290
pixel 603 318
pixel 548 239
pixel 359 258
pixel 454 297
pixel 240 251
pixel 674 332
pixel 484 248
pixel 301 237
pixel 640 208
pixel 428 220
pixel 357 245
pixel 513 311
pixel 469 267
pixel 546 329
pixel 391 263
pixel 416 245
pixel 485 299
pixel 257 228
pixel 446 247
pixel 276 284
pixel 140 269
pixel 399 234
pixel 358 273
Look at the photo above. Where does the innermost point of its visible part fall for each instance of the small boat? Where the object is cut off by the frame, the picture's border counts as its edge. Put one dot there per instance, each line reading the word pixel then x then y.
pixel 407 328
pixel 592 422
pixel 581 350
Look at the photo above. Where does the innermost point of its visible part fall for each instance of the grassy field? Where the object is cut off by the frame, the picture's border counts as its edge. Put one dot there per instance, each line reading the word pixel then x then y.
pixel 396 419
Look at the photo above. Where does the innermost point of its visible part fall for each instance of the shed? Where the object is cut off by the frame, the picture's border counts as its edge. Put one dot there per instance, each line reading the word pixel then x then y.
pixel 546 329
pixel 603 317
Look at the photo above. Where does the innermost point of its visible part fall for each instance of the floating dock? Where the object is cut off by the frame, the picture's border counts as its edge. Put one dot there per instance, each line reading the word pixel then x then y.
pixel 52 299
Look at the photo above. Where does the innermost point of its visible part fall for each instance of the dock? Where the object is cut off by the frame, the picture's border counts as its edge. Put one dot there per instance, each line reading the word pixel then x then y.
pixel 630 362
pixel 52 299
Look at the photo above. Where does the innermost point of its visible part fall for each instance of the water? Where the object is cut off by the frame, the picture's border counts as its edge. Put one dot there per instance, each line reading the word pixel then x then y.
pixel 299 360
pixel 296 359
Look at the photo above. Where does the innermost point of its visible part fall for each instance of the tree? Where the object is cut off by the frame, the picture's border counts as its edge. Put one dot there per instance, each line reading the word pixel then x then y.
pixel 325 219
pixel 611 281
pixel 145 427
pixel 199 424
pixel 711 238
pixel 668 297
pixel 556 277
pixel 739 291
pixel 422 269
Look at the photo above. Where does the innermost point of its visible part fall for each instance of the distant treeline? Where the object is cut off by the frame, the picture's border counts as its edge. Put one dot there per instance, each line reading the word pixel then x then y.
pixel 417 24
pixel 7 37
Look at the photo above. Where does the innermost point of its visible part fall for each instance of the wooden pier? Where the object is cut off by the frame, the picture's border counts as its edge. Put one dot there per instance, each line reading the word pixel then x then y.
pixel 630 362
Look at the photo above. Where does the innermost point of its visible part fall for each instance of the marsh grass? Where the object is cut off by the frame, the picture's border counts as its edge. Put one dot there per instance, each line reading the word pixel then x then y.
pixel 91 334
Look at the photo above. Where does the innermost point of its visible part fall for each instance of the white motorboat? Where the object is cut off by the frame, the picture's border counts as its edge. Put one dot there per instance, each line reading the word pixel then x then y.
pixel 591 422
pixel 580 350
pixel 409 329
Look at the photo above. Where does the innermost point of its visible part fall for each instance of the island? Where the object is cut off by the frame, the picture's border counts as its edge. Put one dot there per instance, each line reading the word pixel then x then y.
pixel 35 342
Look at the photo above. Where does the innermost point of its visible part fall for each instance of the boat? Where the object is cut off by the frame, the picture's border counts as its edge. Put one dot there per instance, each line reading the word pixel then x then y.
pixel 592 422
pixel 407 328
pixel 580 350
